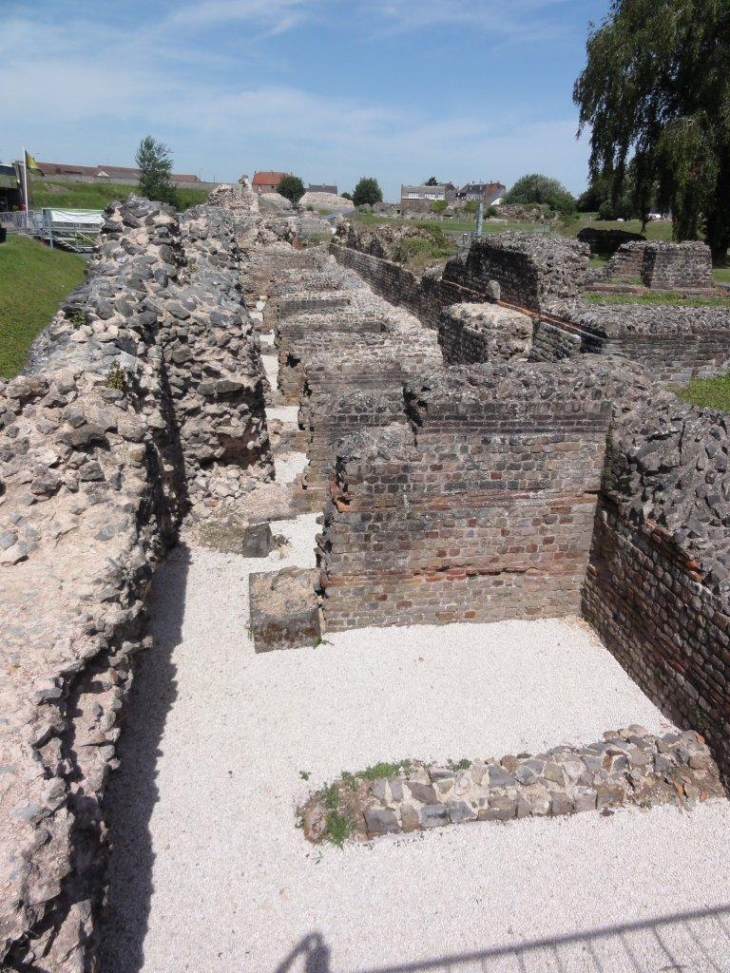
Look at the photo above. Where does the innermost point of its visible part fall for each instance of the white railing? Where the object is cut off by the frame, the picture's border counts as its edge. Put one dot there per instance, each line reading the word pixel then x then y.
pixel 80 234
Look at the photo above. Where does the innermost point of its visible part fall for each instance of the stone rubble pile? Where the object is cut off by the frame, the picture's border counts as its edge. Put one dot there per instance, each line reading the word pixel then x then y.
pixel 239 199
pixel 150 397
pixel 328 202
pixel 378 241
pixel 628 767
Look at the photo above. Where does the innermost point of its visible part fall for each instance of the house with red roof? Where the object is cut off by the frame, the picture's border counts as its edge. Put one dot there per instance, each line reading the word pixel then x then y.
pixel 267 182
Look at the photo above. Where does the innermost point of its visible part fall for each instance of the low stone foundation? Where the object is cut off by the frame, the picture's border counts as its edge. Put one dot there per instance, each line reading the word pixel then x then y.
pixel 628 767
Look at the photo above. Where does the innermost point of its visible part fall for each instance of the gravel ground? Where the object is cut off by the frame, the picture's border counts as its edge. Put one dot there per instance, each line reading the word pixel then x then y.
pixel 290 466
pixel 210 873
pixel 288 414
pixel 271 367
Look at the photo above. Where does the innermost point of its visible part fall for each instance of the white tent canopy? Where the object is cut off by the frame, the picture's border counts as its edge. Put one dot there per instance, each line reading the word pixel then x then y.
pixel 76 217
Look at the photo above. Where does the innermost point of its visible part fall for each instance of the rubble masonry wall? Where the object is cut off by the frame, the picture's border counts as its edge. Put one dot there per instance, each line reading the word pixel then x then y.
pixel 143 402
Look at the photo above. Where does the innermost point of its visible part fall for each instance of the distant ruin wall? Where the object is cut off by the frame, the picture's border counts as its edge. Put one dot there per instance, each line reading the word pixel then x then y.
pixel 658 585
pixel 530 269
pixel 660 266
pixel 425 295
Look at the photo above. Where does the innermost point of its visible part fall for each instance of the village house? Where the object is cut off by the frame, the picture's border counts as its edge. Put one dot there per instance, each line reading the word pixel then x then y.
pixel 113 174
pixel 322 189
pixel 267 182
pixel 480 192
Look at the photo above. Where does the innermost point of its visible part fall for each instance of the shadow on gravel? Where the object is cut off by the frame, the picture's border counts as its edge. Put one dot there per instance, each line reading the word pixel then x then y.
pixel 132 792
pixel 649 946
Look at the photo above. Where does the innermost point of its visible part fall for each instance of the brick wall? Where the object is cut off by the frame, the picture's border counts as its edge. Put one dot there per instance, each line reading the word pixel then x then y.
pixel 482 510
pixel 425 295
pixel 671 342
pixel 657 589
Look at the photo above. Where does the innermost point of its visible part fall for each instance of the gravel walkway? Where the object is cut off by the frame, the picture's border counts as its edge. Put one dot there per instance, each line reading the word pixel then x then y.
pixel 210 873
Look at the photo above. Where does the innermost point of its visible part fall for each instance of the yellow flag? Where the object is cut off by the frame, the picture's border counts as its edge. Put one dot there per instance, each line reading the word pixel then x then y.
pixel 31 165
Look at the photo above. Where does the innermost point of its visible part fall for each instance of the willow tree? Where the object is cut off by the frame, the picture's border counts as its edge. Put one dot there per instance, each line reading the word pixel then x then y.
pixel 656 89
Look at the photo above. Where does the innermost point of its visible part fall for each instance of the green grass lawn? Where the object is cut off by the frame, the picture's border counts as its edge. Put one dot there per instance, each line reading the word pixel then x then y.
pixel 710 393
pixel 722 274
pixel 33 281
pixel 657 297
pixel 445 226
pixel 79 195
pixel 655 230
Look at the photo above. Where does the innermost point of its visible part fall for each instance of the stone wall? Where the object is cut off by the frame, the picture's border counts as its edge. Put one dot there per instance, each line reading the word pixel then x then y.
pixel 530 269
pixel 672 342
pixel 682 267
pixel 658 585
pixel 482 510
pixel 143 401
pixel 473 333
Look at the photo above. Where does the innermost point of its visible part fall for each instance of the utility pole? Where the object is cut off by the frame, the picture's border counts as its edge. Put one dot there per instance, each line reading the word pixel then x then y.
pixel 480 220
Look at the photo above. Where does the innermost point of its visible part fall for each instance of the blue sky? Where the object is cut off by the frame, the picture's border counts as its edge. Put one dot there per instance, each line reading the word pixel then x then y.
pixel 329 89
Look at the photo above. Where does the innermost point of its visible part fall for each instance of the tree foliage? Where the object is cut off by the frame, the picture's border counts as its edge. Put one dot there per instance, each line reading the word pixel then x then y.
pixel 431 181
pixel 600 198
pixel 367 192
pixel 656 89
pixel 155 162
pixel 291 187
pixel 539 189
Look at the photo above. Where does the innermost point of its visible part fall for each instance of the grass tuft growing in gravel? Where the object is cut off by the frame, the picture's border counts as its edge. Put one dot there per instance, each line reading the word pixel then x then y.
pixel 33 281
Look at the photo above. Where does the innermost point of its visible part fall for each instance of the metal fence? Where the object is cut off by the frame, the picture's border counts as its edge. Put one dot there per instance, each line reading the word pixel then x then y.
pixel 79 236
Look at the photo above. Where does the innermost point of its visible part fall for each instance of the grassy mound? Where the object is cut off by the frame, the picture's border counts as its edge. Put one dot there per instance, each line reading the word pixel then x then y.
pixel 79 195
pixel 33 281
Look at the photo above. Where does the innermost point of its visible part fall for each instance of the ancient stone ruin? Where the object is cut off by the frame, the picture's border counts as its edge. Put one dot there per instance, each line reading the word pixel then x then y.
pixel 477 442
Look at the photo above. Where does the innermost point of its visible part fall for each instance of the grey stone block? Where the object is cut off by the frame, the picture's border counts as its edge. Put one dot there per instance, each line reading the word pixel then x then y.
pixel 434 815
pixel 381 821
pixel 284 609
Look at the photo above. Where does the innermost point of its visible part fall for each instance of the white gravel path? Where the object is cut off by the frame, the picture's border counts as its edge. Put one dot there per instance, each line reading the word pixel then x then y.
pixel 203 808
pixel 290 466
pixel 271 368
pixel 288 414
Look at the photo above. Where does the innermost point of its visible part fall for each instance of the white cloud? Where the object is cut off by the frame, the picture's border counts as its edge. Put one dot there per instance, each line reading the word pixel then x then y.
pixel 516 18
pixel 275 16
